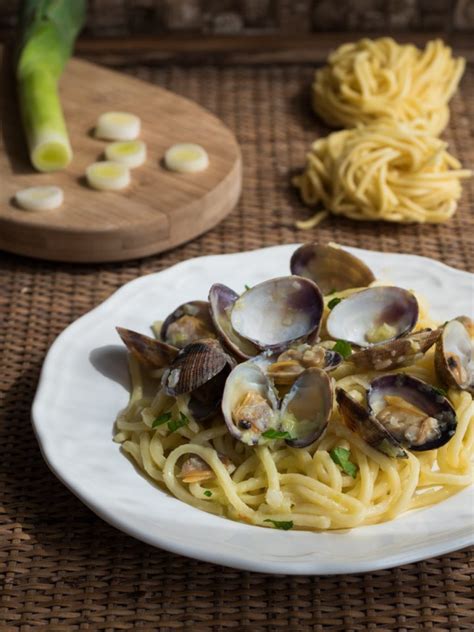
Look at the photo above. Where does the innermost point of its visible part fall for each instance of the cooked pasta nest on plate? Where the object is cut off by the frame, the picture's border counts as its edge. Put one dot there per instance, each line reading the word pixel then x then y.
pixel 319 400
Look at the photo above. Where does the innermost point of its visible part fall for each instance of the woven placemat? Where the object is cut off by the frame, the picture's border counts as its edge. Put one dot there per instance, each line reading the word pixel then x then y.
pixel 65 569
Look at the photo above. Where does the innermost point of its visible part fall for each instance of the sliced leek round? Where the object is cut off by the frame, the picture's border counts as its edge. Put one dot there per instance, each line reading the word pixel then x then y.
pixel 131 153
pixel 186 158
pixel 108 176
pixel 43 198
pixel 117 126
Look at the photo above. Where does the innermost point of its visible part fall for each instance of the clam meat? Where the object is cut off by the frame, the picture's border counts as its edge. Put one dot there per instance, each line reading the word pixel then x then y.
pixel 189 322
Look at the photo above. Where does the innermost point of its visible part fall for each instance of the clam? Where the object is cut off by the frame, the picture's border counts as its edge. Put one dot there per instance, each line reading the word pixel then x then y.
pixel 330 267
pixel 196 470
pixel 194 366
pixel 373 316
pixel 150 352
pixel 221 301
pixel 306 409
pixel 415 413
pixel 468 324
pixel 249 403
pixel 454 356
pixel 252 410
pixel 362 422
pixel 395 353
pixel 292 362
pixel 189 322
pixel 278 312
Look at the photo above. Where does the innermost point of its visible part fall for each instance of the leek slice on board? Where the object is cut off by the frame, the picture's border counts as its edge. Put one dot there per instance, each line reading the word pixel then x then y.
pixel 48 32
pixel 108 176
pixel 42 198
pixel 186 158
pixel 118 126
pixel 131 153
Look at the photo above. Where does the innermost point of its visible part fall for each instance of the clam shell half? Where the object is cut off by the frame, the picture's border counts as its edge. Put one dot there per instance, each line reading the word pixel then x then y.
pixel 331 268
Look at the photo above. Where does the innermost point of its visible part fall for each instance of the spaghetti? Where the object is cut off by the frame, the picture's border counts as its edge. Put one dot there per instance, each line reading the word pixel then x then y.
pixel 287 487
pixel 379 79
pixel 384 171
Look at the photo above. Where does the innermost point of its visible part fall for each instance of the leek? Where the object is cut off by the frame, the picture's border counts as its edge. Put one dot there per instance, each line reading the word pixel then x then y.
pixel 48 32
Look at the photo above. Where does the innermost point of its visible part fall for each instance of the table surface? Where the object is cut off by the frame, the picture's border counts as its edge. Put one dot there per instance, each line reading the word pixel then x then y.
pixel 63 567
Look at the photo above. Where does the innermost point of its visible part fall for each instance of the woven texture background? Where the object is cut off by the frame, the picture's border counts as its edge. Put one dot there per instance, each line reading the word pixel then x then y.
pixel 64 568
pixel 253 17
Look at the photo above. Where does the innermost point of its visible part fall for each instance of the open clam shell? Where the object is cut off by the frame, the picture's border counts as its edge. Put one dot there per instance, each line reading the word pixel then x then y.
pixel 286 368
pixel 306 409
pixel 249 403
pixel 454 357
pixel 278 312
pixel 189 322
pixel 396 353
pixel 221 301
pixel 373 316
pixel 416 414
pixel 149 352
pixel 331 268
pixel 194 366
pixel 360 420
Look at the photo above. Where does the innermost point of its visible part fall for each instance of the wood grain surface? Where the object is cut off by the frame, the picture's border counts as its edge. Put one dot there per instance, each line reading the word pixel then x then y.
pixel 160 209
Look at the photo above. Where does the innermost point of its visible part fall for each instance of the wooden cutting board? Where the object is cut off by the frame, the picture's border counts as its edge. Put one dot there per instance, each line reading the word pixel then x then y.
pixel 160 210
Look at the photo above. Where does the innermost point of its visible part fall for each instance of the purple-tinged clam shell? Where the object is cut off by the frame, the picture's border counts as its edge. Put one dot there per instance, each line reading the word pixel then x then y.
pixel 395 353
pixel 149 352
pixel 189 322
pixel 363 423
pixel 221 301
pixel 332 269
pixel 194 366
pixel 278 312
pixel 373 316
pixel 454 356
pixel 306 409
pixel 249 404
pixel 415 413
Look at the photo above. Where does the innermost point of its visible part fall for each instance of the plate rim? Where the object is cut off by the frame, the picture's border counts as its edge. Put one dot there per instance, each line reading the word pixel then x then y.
pixel 423 551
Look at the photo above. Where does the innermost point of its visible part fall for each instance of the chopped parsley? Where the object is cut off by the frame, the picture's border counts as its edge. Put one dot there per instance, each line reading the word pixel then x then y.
pixel 333 302
pixel 440 391
pixel 175 424
pixel 208 493
pixel 285 525
pixel 276 434
pixel 247 287
pixel 343 347
pixel 341 457
pixel 162 419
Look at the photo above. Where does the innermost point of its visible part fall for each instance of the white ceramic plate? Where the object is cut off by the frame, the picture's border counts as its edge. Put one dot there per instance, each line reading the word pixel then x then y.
pixel 84 383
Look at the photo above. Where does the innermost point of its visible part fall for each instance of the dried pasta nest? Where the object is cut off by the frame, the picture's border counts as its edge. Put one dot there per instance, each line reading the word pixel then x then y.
pixel 373 79
pixel 388 171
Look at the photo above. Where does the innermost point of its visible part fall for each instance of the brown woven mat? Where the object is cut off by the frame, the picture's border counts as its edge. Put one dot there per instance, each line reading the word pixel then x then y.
pixel 66 569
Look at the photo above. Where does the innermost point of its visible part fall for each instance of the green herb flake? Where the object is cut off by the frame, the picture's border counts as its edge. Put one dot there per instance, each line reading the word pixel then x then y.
pixel 276 434
pixel 162 419
pixel 285 525
pixel 175 424
pixel 333 302
pixel 208 493
pixel 343 347
pixel 247 287
pixel 440 391
pixel 332 291
pixel 341 457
